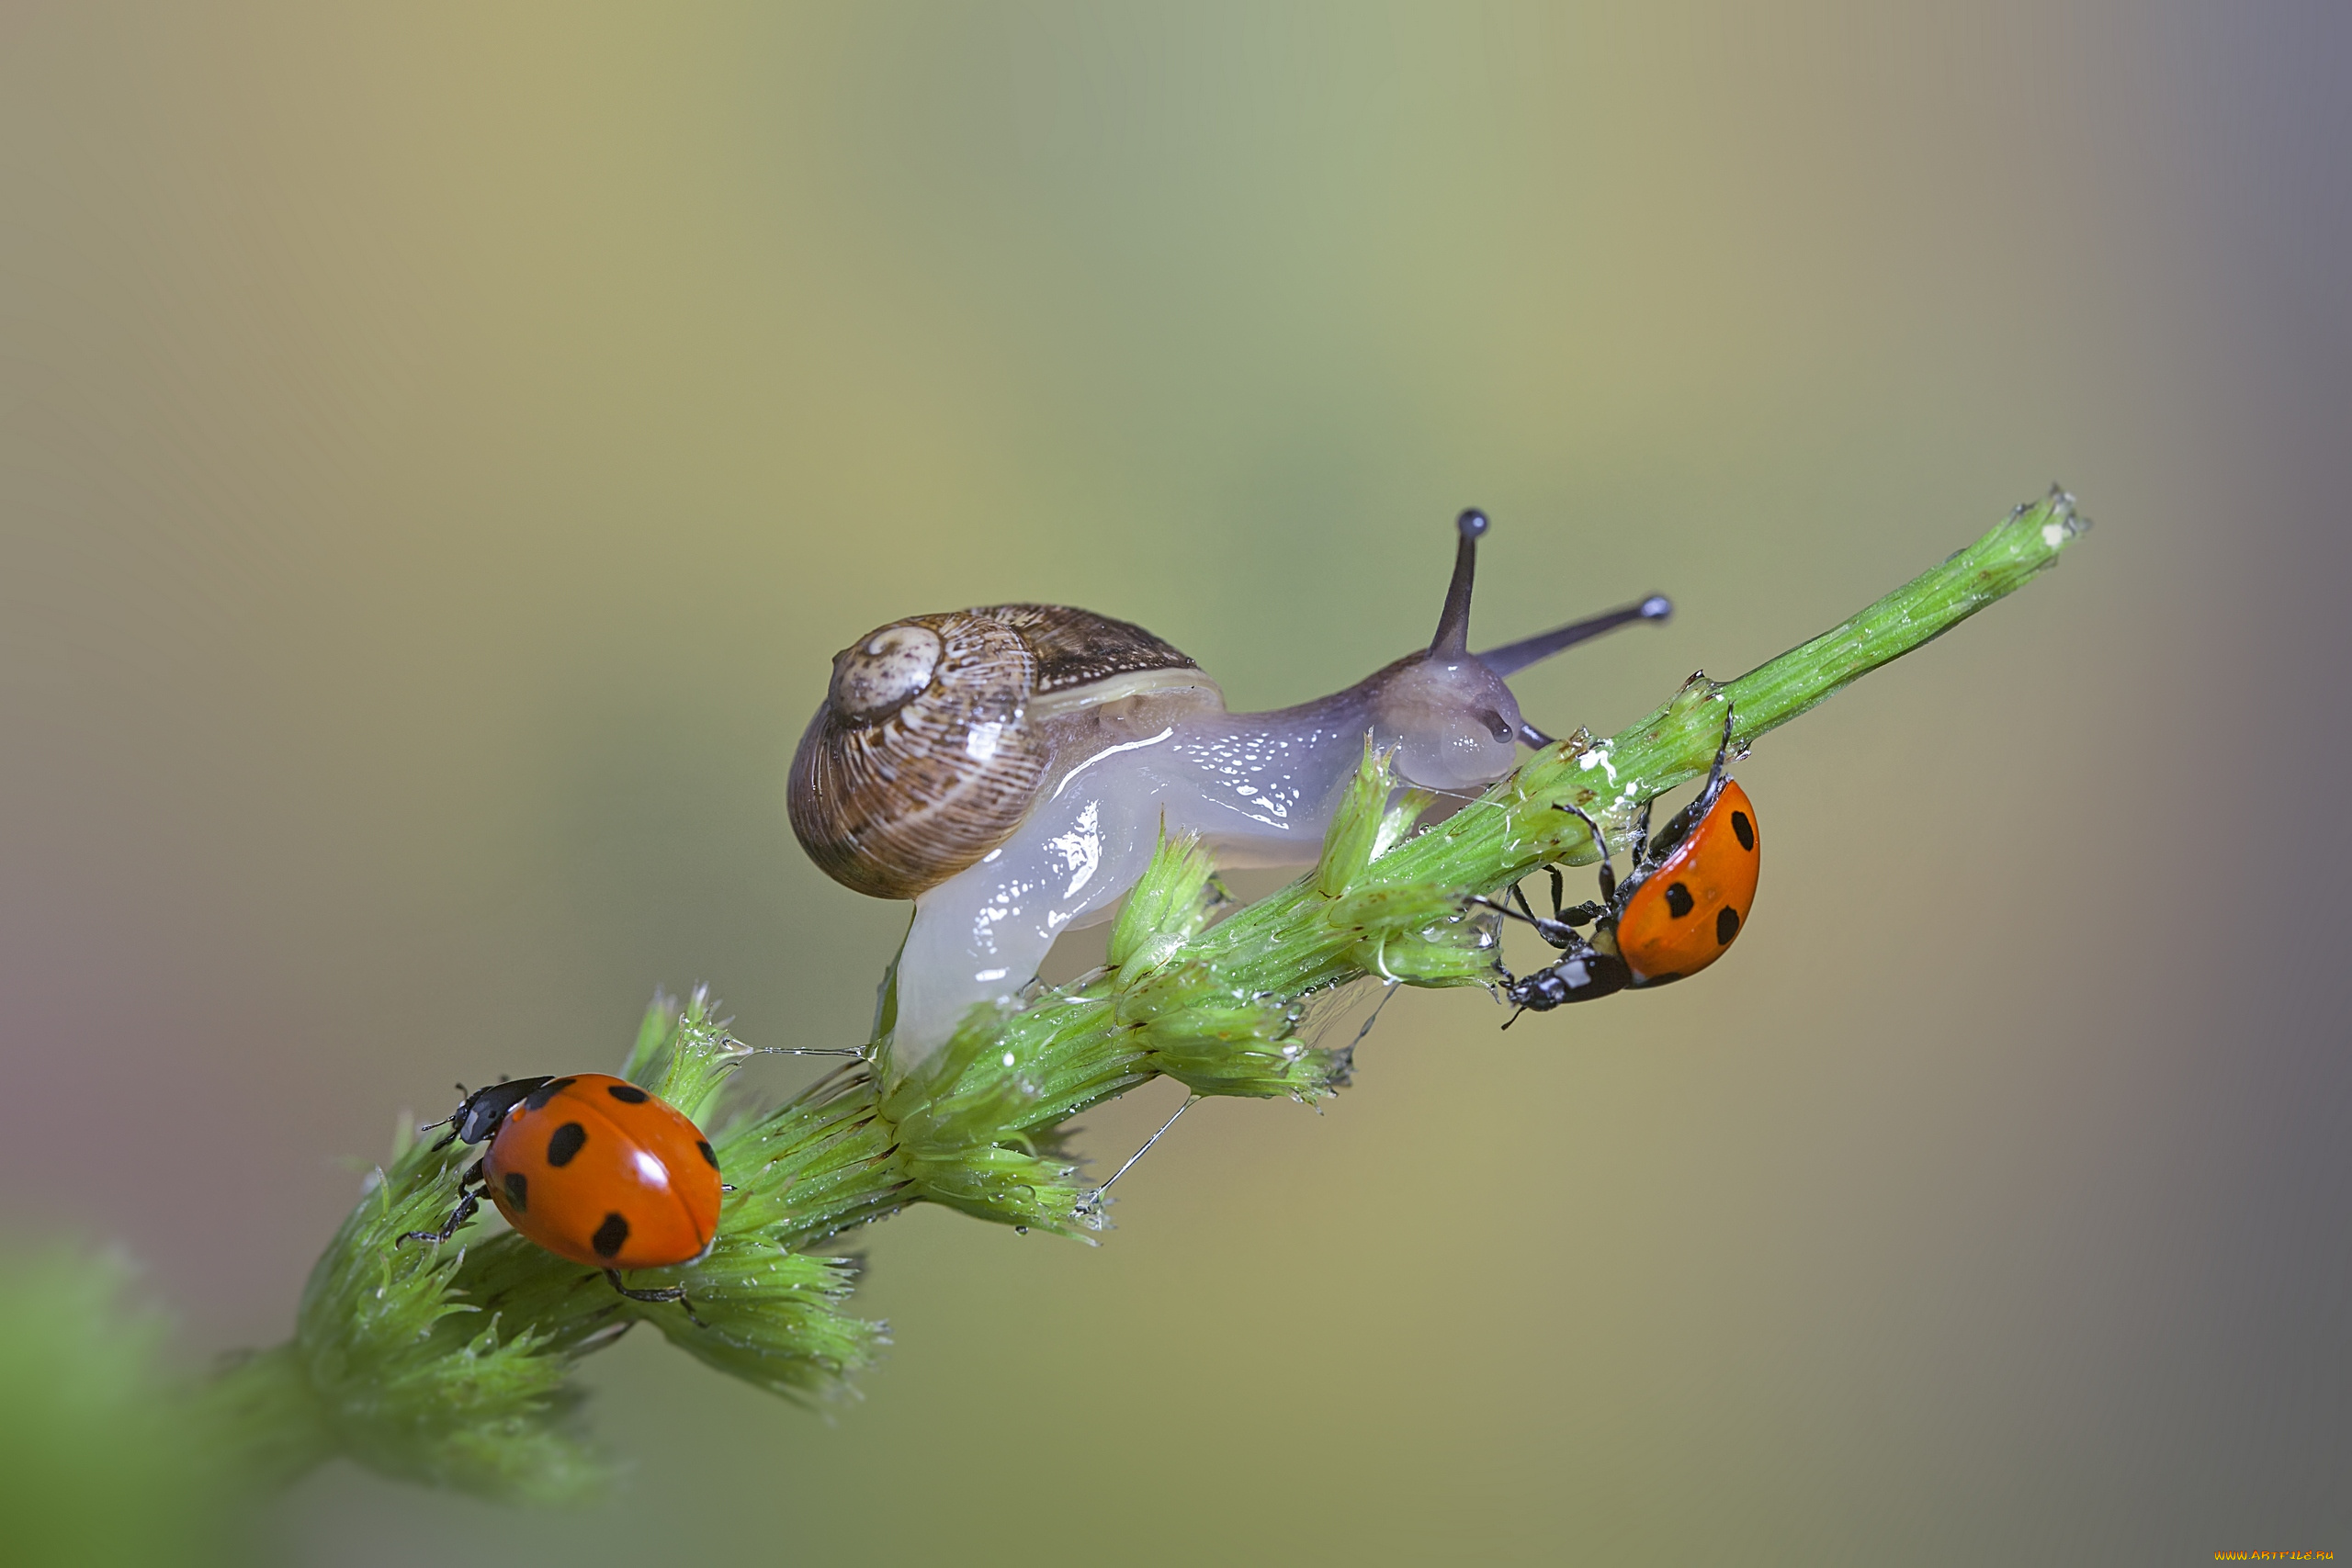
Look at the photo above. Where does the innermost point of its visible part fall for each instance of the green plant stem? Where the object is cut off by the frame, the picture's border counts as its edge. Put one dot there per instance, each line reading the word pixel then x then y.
pixel 449 1365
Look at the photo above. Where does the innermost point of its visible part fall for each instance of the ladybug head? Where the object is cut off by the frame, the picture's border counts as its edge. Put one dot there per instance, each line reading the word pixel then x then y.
pixel 478 1114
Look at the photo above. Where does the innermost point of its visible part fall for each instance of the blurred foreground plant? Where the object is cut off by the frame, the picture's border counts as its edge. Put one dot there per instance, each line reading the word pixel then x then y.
pixel 99 1463
pixel 449 1366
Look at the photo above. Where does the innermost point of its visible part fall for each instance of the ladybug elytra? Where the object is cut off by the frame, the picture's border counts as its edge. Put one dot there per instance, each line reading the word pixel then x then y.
pixel 1686 896
pixel 594 1169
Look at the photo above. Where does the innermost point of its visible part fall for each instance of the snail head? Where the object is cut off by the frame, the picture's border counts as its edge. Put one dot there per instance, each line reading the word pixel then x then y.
pixel 1448 711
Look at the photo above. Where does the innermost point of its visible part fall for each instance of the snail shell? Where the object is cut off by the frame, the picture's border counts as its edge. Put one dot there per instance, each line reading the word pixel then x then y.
pixel 938 729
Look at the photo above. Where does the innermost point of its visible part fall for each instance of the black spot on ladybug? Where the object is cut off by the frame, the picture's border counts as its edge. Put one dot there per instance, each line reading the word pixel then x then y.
pixel 1743 829
pixel 1727 925
pixel 611 1236
pixel 627 1093
pixel 537 1098
pixel 565 1141
pixel 518 1190
pixel 704 1145
pixel 1677 899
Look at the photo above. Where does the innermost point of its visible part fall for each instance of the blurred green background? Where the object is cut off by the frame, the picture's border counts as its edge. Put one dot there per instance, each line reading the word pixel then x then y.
pixel 440 448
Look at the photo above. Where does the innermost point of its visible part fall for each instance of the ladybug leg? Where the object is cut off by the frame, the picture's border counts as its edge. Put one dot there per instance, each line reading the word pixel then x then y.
pixel 1558 932
pixel 1678 826
pixel 457 1217
pixel 663 1293
pixel 467 1201
pixel 1600 842
pixel 1580 973
pixel 666 1293
pixel 1575 915
pixel 1723 752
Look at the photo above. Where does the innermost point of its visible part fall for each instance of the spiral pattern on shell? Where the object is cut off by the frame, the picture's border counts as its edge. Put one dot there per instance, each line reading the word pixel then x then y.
pixel 925 756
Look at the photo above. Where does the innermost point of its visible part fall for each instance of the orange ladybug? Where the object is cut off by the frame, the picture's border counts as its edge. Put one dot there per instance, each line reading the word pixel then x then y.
pixel 594 1169
pixel 1686 898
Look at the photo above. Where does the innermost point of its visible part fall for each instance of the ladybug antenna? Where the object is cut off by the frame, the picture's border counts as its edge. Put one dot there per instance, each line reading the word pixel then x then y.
pixel 1516 656
pixel 1452 639
pixel 444 1122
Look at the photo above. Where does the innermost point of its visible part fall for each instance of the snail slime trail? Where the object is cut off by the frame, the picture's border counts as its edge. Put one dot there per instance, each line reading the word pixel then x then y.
pixel 1008 768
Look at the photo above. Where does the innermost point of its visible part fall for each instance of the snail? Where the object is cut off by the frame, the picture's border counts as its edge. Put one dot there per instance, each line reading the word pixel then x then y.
pixel 1010 769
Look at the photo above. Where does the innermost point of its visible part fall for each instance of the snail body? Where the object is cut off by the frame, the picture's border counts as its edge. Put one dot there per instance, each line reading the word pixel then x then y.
pixel 1010 769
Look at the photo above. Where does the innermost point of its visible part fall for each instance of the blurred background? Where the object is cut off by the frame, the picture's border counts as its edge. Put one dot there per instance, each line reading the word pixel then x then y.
pixel 441 447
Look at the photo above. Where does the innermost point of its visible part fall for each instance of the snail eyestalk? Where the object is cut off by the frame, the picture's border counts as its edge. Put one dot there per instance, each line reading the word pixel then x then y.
pixel 1514 657
pixel 1452 638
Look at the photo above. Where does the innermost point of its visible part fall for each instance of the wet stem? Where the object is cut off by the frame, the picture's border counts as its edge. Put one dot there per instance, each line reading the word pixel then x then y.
pixel 451 1366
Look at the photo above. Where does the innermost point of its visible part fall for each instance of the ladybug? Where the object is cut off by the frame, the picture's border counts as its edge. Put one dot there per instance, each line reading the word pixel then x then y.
pixel 594 1169
pixel 1686 896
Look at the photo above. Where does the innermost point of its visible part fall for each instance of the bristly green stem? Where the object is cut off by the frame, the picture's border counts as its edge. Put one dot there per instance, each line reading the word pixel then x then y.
pixel 450 1364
